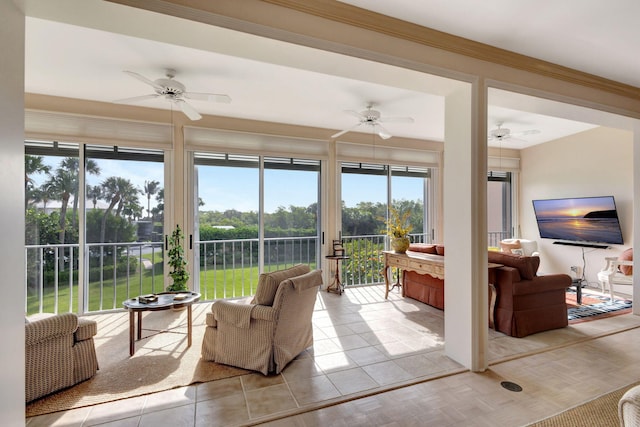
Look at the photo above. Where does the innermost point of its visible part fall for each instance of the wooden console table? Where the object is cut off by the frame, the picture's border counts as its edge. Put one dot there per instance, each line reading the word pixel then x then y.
pixel 433 265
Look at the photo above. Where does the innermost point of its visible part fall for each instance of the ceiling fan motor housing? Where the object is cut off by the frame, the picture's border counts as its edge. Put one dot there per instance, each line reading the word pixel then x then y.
pixel 371 116
pixel 170 87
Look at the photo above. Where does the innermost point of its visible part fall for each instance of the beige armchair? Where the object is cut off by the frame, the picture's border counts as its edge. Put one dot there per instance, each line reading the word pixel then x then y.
pixel 272 330
pixel 59 352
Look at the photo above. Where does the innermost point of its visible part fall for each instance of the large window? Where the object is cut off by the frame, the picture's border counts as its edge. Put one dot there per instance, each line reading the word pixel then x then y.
pixel 110 240
pixel 499 212
pixel 51 226
pixel 242 230
pixel 367 191
pixel 124 224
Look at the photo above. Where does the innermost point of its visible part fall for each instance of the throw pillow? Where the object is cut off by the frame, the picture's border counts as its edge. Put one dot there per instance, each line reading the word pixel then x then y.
pixel 627 255
pixel 425 248
pixel 518 251
pixel 509 246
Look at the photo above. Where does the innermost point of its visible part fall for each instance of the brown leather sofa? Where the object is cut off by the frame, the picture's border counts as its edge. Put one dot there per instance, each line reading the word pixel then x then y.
pixel 525 302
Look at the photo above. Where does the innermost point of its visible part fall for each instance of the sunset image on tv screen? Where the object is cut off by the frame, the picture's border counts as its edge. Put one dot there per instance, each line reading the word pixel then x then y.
pixel 586 219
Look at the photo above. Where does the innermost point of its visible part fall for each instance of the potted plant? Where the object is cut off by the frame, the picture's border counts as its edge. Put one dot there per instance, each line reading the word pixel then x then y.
pixel 177 262
pixel 398 229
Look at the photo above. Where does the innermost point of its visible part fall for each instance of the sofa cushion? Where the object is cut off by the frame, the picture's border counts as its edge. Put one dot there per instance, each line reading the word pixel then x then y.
pixel 268 283
pixel 509 247
pixel 527 265
pixel 424 248
pixel 627 255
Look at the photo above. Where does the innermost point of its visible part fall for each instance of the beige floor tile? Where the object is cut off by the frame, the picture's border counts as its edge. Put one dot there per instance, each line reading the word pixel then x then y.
pixel 270 400
pixel 181 416
pixel 218 389
pixel 313 389
pixel 223 411
pixel 352 381
pixel 349 342
pixel 366 356
pixel 170 399
pixel 72 418
pixel 300 369
pixel 113 411
pixel 257 380
pixel 386 373
pixel 335 362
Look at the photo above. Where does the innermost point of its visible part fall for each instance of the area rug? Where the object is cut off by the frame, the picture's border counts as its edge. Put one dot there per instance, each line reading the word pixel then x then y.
pixel 599 412
pixel 594 306
pixel 162 361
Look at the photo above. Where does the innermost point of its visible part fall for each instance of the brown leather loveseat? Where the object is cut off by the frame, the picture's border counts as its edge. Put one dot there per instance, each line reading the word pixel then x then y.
pixel 424 287
pixel 525 302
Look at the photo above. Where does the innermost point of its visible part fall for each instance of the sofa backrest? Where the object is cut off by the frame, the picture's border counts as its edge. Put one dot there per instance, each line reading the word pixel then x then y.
pixel 527 266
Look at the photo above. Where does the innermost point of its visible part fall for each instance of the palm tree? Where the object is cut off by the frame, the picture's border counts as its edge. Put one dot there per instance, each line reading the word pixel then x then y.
pixel 150 188
pixel 117 191
pixel 72 164
pixel 32 165
pixel 94 192
pixel 61 186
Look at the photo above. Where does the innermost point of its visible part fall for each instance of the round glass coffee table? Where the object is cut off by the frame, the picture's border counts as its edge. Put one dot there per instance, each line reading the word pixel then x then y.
pixel 164 301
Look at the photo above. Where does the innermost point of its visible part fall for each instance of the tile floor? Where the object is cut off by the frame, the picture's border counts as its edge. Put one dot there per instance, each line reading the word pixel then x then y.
pixel 377 362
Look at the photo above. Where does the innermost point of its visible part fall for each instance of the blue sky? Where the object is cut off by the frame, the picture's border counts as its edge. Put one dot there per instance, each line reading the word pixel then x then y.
pixel 224 188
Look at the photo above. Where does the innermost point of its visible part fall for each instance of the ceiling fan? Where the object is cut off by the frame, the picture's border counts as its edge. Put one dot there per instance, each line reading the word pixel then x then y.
pixel 373 118
pixel 501 134
pixel 174 91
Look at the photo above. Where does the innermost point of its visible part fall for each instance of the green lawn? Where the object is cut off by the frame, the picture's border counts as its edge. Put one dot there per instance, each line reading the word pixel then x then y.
pixel 227 283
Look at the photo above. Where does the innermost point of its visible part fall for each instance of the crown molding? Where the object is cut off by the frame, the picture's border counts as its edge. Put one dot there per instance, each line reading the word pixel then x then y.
pixel 366 19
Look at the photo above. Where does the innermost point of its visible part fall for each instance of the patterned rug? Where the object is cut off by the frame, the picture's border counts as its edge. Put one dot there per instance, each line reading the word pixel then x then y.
pixel 594 306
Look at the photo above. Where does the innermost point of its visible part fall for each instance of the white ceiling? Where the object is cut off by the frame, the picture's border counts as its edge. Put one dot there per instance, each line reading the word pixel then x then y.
pixel 79 48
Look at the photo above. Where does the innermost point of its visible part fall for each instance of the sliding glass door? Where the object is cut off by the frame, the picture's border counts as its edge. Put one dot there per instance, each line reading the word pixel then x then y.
pixel 367 192
pixel 94 216
pixel 254 214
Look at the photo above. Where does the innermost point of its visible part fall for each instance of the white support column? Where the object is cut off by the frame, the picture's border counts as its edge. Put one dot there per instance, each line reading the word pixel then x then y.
pixel 465 227
pixel 12 253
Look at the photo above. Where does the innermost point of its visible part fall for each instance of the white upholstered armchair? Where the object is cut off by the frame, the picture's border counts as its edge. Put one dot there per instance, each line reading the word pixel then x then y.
pixel 528 247
pixel 267 334
pixel 616 272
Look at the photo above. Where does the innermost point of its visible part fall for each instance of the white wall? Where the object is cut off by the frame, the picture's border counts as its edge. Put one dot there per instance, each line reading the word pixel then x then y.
pixel 598 162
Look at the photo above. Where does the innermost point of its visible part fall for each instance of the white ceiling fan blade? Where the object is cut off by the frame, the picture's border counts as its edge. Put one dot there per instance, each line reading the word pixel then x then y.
pixel 355 114
pixel 396 120
pixel 144 79
pixel 382 132
pixel 334 136
pixel 135 99
pixel 188 110
pixel 213 97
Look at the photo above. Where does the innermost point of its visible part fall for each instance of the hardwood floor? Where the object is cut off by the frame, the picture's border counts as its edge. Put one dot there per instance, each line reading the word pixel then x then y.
pixel 382 363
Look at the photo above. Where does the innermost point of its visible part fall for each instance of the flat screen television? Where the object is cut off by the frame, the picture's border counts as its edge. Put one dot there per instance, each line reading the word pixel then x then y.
pixel 581 220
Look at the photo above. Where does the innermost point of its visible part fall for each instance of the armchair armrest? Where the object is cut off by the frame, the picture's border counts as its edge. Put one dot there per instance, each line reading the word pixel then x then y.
pixel 42 329
pixel 239 314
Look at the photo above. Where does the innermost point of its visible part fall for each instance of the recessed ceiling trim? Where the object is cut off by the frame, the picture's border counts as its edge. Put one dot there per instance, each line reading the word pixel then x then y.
pixel 362 18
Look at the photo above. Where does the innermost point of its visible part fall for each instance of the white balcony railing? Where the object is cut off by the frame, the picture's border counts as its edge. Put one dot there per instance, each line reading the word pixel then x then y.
pixel 226 269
